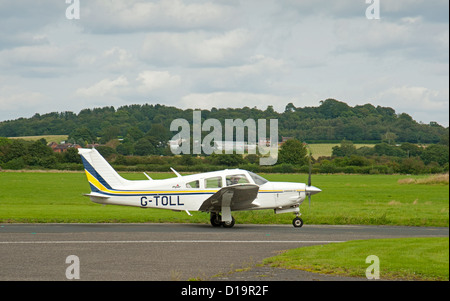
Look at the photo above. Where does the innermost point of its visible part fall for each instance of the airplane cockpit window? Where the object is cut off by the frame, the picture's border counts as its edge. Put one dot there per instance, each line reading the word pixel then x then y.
pixel 214 182
pixel 258 179
pixel 193 184
pixel 236 179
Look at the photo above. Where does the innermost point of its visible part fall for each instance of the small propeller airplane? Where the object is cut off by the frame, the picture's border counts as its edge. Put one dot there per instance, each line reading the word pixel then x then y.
pixel 216 192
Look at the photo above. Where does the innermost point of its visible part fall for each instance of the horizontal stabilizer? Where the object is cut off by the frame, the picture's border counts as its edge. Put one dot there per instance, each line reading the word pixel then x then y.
pixel 97 195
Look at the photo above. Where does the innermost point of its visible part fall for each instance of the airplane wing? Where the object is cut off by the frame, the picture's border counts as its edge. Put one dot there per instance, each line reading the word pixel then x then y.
pixel 241 196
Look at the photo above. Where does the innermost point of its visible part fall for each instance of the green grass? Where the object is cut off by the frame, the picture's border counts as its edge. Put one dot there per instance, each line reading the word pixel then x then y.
pixel 405 259
pixel 365 199
pixel 346 199
pixel 45 197
pixel 56 197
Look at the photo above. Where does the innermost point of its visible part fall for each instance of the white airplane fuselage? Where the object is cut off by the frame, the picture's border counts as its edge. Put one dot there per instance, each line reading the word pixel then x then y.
pixel 173 194
pixel 217 192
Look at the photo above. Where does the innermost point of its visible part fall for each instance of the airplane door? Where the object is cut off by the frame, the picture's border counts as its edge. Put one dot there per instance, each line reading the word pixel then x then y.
pixel 267 196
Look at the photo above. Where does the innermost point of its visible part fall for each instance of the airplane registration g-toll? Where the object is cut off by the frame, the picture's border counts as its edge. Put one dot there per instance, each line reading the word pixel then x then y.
pixel 216 192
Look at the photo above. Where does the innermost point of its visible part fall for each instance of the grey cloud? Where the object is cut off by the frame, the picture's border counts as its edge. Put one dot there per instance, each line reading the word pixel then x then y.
pixel 125 16
pixel 198 48
pixel 431 10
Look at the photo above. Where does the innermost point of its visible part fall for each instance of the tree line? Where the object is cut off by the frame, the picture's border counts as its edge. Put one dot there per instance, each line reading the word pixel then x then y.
pixel 293 157
pixel 136 137
pixel 144 127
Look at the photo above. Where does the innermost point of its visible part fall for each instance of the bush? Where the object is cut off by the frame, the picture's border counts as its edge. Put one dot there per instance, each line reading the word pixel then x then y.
pixel 15 164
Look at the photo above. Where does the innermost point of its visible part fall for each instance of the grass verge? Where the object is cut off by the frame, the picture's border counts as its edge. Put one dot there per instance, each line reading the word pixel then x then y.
pixel 399 259
pixel 44 197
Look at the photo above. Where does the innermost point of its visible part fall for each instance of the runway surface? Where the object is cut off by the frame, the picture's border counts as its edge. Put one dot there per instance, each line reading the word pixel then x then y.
pixel 137 252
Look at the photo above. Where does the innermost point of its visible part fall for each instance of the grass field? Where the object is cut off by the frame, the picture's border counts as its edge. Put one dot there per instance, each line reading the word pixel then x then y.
pixel 405 258
pixel 48 138
pixel 325 149
pixel 346 199
pixel 56 197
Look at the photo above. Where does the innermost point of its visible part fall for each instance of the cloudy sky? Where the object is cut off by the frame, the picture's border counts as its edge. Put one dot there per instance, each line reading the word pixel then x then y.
pixel 225 53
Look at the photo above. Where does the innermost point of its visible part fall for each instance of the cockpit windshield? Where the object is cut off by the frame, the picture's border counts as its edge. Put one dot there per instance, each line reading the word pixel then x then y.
pixel 258 179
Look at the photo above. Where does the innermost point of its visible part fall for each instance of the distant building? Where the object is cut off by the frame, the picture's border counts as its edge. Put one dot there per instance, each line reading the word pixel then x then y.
pixel 60 148
pixel 284 139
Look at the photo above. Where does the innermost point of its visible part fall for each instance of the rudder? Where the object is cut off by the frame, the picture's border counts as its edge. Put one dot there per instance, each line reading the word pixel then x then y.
pixel 100 174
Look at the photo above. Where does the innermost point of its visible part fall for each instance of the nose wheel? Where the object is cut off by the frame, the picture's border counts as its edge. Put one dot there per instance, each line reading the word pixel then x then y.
pixel 297 222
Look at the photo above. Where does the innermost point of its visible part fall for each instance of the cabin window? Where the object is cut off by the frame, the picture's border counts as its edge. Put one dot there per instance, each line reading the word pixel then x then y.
pixel 236 179
pixel 193 184
pixel 257 178
pixel 214 182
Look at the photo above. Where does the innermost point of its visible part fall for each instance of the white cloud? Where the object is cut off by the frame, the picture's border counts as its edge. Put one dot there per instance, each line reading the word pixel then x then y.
pixel 197 48
pixel 154 80
pixel 419 98
pixel 38 60
pixel 105 87
pixel 104 16
pixel 117 59
pixel 224 53
pixel 13 99
pixel 259 74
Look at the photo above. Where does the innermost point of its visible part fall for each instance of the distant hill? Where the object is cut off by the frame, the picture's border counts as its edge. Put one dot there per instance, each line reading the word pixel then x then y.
pixel 331 121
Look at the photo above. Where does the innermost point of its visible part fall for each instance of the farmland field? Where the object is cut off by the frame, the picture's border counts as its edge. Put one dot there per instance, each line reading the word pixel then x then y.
pixel 325 149
pixel 48 138
pixel 46 197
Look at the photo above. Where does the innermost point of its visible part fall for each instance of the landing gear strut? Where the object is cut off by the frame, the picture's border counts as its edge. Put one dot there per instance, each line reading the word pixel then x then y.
pixel 297 221
pixel 216 221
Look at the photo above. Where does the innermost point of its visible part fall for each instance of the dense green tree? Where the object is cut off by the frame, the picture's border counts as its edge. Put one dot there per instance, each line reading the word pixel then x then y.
pixel 332 120
pixel 82 135
pixel 346 149
pixel 412 150
pixel 436 153
pixel 145 146
pixel 293 152
pixel 71 156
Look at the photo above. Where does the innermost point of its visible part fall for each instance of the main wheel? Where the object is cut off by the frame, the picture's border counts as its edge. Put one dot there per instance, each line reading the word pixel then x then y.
pixel 215 220
pixel 297 222
pixel 229 224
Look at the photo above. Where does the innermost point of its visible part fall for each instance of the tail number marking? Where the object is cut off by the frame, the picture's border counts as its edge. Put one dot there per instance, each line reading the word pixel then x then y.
pixel 161 200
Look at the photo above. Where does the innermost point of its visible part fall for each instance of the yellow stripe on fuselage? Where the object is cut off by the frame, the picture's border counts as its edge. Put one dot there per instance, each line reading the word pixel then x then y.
pixel 102 188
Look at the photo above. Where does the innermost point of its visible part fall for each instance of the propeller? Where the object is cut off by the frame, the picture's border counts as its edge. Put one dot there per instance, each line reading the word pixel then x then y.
pixel 309 179
pixel 310 190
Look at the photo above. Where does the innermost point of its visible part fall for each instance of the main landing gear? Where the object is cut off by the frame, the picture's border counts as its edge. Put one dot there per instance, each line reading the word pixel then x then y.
pixel 216 221
pixel 297 222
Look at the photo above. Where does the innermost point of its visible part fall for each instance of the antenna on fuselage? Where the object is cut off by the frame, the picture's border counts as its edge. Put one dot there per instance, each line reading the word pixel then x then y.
pixel 175 172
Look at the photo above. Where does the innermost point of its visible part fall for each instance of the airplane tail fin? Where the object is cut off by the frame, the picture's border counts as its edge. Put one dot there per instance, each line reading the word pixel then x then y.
pixel 101 176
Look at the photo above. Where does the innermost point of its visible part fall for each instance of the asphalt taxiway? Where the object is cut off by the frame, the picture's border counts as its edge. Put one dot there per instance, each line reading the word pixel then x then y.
pixel 154 252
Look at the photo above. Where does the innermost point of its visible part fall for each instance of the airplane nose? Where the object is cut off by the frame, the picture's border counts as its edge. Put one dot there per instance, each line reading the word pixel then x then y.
pixel 312 190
